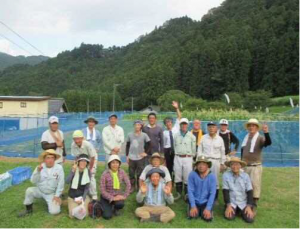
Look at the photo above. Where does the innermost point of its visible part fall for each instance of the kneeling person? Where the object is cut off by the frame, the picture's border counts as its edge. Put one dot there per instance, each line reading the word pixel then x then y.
pixel 155 195
pixel 237 191
pixel 49 180
pixel 80 179
pixel 202 186
pixel 112 184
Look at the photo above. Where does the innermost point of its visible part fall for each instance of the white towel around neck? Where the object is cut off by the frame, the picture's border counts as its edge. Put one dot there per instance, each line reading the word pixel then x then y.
pixel 225 132
pixel 253 141
pixel 88 137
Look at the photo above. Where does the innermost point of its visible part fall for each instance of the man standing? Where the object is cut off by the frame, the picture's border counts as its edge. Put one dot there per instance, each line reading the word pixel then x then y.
pixel 53 138
pixel 49 180
pixel 237 191
pixel 228 138
pixel 201 190
pixel 80 146
pixel 197 132
pixel 252 146
pixel 212 146
pixel 91 134
pixel 185 150
pixel 169 138
pixel 155 134
pixel 113 137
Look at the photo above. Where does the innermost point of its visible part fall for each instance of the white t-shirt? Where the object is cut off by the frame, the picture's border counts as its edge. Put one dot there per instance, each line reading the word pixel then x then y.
pixel 47 137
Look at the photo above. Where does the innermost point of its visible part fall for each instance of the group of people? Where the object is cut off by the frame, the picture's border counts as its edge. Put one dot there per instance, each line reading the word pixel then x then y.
pixel 157 161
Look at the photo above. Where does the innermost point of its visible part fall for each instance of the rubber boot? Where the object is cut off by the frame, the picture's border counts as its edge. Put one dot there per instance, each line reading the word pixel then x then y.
pixel 185 192
pixel 27 212
pixel 178 190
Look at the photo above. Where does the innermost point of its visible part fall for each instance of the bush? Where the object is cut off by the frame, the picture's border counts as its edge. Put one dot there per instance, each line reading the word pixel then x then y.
pixel 193 104
pixel 165 101
pixel 259 99
pixel 236 100
pixel 217 105
pixel 285 100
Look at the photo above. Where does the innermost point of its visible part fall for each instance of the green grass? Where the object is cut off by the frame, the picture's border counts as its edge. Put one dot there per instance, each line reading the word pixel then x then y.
pixel 278 207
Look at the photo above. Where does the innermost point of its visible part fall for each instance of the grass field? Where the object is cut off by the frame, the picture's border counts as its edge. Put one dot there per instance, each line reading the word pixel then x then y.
pixel 278 207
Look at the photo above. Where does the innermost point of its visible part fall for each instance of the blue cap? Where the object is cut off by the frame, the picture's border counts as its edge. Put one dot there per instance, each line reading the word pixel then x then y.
pixel 211 123
pixel 113 115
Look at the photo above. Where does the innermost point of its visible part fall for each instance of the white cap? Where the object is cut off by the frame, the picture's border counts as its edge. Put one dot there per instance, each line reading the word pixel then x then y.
pixel 184 120
pixel 223 122
pixel 53 119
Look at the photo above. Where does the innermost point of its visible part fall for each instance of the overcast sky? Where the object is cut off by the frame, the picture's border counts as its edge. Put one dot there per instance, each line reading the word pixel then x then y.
pixel 57 25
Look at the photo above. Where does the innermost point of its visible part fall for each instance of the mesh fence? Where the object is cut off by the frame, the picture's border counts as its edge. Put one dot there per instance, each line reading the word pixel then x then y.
pixel 20 137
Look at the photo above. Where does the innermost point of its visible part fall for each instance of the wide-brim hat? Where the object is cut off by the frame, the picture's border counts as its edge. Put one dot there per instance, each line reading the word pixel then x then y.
pixel 114 157
pixel 83 157
pixel 48 152
pixel 89 119
pixel 202 159
pixel 157 155
pixel 156 170
pixel 253 121
pixel 235 159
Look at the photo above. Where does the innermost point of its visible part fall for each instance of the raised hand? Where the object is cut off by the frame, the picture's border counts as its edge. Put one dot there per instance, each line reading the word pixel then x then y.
pixel 167 190
pixel 143 188
pixel 40 167
pixel 175 104
pixel 74 167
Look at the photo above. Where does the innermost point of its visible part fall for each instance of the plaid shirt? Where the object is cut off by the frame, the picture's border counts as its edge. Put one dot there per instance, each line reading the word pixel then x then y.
pixel 106 185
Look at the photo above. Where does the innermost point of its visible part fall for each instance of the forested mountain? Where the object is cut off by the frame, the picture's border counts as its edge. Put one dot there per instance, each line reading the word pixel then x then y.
pixel 240 46
pixel 8 60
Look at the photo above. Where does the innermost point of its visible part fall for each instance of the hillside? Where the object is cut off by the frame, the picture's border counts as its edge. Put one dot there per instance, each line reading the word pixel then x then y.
pixel 8 60
pixel 240 46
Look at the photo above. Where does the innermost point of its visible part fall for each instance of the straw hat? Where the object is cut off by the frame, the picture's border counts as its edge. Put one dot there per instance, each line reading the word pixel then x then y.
pixel 157 155
pixel 253 121
pixel 235 159
pixel 48 152
pixel 202 159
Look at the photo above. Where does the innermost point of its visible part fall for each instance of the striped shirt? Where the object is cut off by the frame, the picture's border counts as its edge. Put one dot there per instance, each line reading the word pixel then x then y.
pixel 106 185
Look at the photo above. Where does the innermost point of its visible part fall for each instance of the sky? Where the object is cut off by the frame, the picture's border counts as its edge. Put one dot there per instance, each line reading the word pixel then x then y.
pixel 53 26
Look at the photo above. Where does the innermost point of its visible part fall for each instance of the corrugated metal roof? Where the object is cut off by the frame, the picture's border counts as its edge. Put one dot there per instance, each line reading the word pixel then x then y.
pixel 57 106
pixel 24 98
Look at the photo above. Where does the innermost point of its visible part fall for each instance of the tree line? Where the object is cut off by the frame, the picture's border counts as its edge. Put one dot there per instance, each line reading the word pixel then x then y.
pixel 241 46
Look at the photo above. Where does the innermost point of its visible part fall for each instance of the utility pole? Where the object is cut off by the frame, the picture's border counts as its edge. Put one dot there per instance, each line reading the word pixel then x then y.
pixel 88 105
pixel 100 105
pixel 114 96
pixel 131 104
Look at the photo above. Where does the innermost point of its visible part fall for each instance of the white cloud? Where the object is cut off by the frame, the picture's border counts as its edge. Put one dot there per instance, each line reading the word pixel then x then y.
pixel 6 47
pixel 54 26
